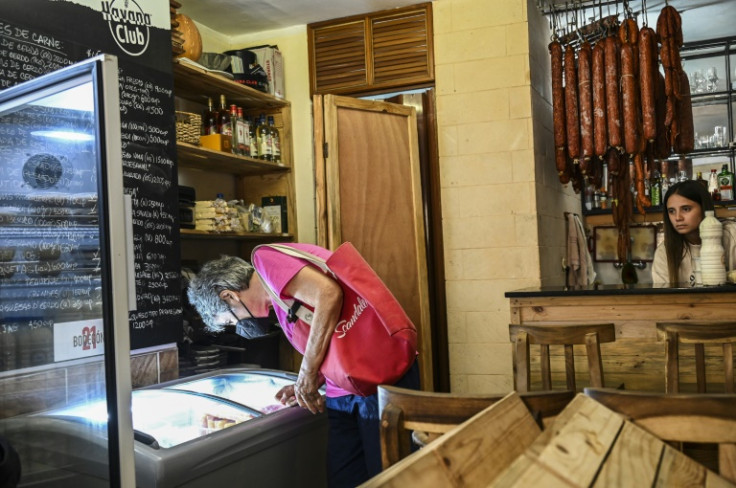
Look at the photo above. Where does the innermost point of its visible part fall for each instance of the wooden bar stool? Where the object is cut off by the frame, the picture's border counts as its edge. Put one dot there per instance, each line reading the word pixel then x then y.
pixel 590 335
pixel 699 334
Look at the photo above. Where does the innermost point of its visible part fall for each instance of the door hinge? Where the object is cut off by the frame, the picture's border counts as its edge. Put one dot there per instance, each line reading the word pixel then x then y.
pixel 325 152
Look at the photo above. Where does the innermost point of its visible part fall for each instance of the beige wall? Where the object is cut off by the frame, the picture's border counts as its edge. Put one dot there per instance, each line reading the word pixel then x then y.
pixel 502 203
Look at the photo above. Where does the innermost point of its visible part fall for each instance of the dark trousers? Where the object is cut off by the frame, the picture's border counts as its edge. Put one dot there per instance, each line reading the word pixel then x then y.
pixel 353 445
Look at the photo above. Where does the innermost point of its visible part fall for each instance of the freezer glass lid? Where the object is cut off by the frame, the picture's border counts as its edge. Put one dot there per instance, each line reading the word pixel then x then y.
pixel 169 417
pixel 255 390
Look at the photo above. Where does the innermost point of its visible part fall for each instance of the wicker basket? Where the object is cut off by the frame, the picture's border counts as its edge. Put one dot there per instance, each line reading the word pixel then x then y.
pixel 188 127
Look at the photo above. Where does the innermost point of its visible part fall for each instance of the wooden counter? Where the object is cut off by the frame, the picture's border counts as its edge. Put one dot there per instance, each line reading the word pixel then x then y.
pixel 636 359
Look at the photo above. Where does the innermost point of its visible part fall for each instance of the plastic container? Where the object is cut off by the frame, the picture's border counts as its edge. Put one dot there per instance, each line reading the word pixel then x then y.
pixel 712 263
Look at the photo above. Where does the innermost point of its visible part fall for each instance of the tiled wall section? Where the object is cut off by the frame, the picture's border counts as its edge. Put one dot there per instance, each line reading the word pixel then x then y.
pixel 53 388
pixel 493 179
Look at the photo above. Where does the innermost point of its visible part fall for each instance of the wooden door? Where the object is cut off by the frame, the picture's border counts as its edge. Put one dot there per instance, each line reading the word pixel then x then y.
pixel 369 193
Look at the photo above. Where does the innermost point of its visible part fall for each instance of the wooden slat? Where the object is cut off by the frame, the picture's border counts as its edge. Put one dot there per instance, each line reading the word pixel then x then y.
pixel 672 367
pixel 728 367
pixel 678 470
pixel 521 365
pixel 568 452
pixel 633 460
pixel 569 367
pixel 595 364
pixel 467 455
pixel 525 471
pixel 727 461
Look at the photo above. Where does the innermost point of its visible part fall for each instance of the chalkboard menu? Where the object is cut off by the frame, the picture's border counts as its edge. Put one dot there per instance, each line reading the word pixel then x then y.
pixel 41 36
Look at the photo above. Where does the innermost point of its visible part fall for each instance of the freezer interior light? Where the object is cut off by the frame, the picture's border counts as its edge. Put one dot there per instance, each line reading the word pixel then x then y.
pixel 64 135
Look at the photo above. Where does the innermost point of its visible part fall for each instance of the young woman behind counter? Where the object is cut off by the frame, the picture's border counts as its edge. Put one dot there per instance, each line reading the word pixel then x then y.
pixel 674 259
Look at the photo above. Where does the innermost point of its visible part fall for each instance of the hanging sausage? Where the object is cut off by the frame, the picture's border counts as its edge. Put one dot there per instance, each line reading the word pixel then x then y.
pixel 558 112
pixel 585 101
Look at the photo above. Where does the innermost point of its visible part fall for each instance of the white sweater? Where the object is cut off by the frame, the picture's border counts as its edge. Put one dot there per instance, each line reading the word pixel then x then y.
pixel 660 274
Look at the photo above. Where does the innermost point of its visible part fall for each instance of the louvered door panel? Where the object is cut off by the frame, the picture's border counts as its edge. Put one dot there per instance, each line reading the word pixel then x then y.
pixel 386 49
pixel 339 56
pixel 401 48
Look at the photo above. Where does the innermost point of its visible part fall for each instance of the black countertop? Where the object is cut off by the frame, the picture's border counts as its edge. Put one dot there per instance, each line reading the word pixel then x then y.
pixel 608 290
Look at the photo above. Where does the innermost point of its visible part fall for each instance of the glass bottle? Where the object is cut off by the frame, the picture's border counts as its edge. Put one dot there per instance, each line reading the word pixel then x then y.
pixel 209 119
pixel 275 141
pixel 665 186
pixel 223 119
pixel 725 183
pixel 701 180
pixel 713 186
pixel 234 129
pixel 253 137
pixel 655 188
pixel 242 134
pixel 264 139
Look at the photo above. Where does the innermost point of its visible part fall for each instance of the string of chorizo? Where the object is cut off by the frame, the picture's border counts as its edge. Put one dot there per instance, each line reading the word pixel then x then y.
pixel 661 141
pixel 685 140
pixel 630 100
pixel 572 120
pixel 585 101
pixel 598 76
pixel 647 79
pixel 642 200
pixel 613 103
pixel 558 112
pixel 669 31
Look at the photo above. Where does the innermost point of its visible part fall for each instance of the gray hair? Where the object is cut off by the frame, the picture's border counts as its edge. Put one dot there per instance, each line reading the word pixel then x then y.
pixel 225 273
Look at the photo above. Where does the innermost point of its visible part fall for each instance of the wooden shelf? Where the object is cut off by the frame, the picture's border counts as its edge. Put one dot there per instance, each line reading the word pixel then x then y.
pixel 249 236
pixel 196 84
pixel 191 156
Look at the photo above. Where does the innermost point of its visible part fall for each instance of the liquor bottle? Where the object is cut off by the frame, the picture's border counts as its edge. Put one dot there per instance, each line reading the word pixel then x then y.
pixel 264 139
pixel 275 141
pixel 209 119
pixel 234 129
pixel 655 188
pixel 713 189
pixel 224 120
pixel 701 180
pixel 664 186
pixel 253 138
pixel 242 134
pixel 725 183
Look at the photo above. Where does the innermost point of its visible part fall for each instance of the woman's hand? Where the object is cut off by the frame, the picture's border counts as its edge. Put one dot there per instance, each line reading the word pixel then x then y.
pixel 306 391
pixel 286 396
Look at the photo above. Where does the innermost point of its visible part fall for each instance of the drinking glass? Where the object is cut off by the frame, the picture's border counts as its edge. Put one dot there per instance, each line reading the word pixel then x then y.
pixel 711 75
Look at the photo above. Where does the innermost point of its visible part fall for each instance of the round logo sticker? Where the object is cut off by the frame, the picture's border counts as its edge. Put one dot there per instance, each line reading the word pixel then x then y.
pixel 128 25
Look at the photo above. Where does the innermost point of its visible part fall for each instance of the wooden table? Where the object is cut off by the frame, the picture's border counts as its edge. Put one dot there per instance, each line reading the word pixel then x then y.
pixel 587 445
pixel 591 446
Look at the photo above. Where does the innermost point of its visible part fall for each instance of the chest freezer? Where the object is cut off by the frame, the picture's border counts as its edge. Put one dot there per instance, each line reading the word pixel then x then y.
pixel 194 432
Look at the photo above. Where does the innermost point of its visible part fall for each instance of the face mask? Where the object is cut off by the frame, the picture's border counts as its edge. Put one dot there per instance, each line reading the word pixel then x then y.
pixel 252 327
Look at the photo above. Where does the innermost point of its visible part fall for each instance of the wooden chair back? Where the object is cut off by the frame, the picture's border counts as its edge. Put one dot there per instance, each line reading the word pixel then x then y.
pixel 699 334
pixel 696 418
pixel 402 411
pixel 590 335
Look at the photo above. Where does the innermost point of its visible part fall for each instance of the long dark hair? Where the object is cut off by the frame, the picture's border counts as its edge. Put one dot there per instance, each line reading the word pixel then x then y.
pixel 675 243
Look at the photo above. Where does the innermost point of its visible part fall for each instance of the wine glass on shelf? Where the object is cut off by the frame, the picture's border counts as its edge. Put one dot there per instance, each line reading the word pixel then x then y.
pixel 695 80
pixel 711 75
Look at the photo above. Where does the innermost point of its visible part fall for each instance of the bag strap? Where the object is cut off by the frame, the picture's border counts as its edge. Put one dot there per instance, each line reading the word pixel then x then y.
pixel 294 308
pixel 297 253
